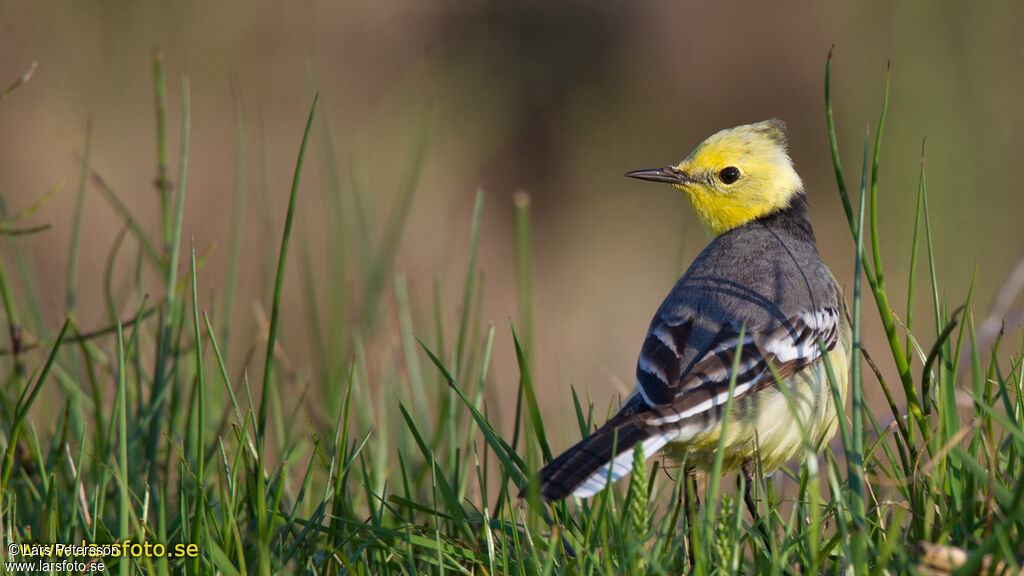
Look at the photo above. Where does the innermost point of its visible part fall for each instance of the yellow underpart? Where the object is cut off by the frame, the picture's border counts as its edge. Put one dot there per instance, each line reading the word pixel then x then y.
pixel 762 423
pixel 767 179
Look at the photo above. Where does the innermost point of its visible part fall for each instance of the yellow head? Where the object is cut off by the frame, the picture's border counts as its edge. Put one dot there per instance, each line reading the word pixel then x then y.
pixel 735 176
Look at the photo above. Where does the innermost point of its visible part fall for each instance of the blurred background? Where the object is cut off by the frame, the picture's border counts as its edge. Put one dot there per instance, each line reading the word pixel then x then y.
pixel 554 99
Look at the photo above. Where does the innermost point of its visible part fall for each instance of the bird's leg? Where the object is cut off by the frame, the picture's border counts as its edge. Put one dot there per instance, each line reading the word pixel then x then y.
pixel 691 502
pixel 747 470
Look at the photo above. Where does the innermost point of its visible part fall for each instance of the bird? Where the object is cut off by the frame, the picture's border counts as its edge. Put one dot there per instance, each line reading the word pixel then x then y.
pixel 760 277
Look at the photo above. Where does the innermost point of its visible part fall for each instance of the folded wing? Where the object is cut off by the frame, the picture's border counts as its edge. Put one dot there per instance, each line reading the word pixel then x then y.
pixel 675 402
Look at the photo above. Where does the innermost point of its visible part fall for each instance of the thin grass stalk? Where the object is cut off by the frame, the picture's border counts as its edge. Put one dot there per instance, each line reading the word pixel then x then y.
pixel 459 350
pixel 834 144
pixel 337 261
pixel 472 428
pixel 417 385
pixel 524 270
pixel 876 250
pixel 530 400
pixel 30 294
pixel 439 342
pixel 71 293
pixel 108 193
pixel 26 397
pixel 200 446
pixel 948 421
pixel 268 363
pixel 268 229
pixel 707 526
pixel 161 374
pixel 223 369
pixel 912 276
pixel 855 459
pixel 124 507
pixel 237 216
pixel 465 313
pixel 263 518
pixel 395 227
pixel 311 304
pixel 163 181
pixel 880 296
pixel 71 296
pixel 13 327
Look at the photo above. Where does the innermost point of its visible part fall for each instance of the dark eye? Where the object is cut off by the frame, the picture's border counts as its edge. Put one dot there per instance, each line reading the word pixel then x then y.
pixel 729 174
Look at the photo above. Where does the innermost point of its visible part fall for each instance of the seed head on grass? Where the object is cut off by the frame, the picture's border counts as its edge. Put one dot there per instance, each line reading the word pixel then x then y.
pixel 638 498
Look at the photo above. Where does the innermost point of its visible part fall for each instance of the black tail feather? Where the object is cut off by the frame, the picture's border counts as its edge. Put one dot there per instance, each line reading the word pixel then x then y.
pixel 563 475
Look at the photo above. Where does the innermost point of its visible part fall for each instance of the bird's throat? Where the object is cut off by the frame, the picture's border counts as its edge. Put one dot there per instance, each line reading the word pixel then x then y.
pixel 719 215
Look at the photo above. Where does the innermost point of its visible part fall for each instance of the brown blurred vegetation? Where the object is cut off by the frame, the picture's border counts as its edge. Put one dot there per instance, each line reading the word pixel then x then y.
pixel 558 99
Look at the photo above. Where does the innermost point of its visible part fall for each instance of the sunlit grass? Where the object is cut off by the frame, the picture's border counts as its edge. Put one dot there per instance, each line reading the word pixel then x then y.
pixel 393 456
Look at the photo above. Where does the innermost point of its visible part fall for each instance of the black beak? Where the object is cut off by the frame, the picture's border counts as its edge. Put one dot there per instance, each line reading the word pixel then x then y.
pixel 670 174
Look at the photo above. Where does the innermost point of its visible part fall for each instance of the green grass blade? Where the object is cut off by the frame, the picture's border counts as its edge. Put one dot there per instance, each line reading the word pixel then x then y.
pixel 223 368
pixel 161 374
pixel 417 385
pixel 200 447
pixel 708 521
pixel 133 225
pixel 530 398
pixel 310 302
pixel 268 364
pixel 912 276
pixel 524 270
pixel 124 508
pixel 509 458
pixel 834 144
pixel 459 350
pixel 14 331
pixel 395 227
pixel 237 216
pixel 876 250
pixel 163 182
pixel 855 459
pixel 71 296
pixel 28 397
